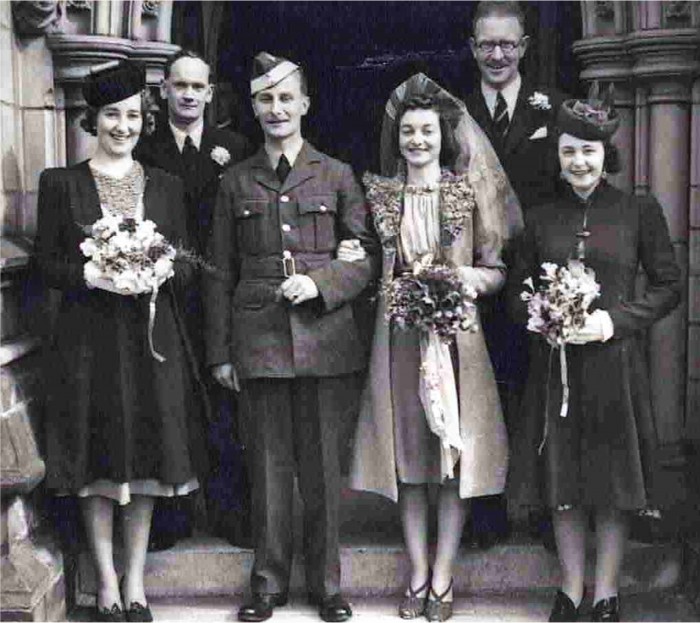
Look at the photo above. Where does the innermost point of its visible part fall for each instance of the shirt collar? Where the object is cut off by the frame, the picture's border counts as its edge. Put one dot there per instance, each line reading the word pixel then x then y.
pixel 195 132
pixel 510 94
pixel 290 150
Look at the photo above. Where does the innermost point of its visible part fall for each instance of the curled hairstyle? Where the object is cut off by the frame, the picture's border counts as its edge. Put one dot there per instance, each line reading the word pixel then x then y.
pixel 89 121
pixel 449 149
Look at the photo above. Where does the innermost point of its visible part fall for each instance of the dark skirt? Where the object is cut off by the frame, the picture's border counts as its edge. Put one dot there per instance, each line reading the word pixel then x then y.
pixel 604 452
pixel 113 411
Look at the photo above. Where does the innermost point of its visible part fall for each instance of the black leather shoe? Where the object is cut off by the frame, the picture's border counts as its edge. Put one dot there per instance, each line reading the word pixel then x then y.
pixel 331 608
pixel 115 613
pixel 138 613
pixel 607 610
pixel 260 607
pixel 564 609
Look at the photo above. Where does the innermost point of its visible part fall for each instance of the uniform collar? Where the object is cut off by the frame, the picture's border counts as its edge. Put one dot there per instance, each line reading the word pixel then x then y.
pixel 291 151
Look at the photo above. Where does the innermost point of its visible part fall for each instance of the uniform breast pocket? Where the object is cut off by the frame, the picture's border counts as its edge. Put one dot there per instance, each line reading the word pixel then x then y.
pixel 317 217
pixel 250 226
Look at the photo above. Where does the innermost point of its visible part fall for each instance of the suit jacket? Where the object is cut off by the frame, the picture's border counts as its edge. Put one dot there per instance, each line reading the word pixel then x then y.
pixel 256 219
pixel 201 185
pixel 529 151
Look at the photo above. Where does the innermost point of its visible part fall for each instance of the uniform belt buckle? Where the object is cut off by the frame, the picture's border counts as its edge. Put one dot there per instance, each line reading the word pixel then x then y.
pixel 288 264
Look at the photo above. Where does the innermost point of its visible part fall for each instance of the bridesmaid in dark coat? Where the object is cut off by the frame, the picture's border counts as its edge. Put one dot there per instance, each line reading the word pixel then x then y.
pixel 122 427
pixel 600 456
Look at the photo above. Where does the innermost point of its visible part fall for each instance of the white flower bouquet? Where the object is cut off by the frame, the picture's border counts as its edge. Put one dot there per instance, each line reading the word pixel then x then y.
pixel 128 257
pixel 559 308
pixel 560 305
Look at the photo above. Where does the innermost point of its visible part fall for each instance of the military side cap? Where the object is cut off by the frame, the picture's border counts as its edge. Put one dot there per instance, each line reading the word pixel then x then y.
pixel 269 70
pixel 113 82
pixel 592 119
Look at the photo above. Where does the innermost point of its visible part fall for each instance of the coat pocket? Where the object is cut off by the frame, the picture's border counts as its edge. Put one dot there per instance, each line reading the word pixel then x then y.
pixel 317 217
pixel 250 226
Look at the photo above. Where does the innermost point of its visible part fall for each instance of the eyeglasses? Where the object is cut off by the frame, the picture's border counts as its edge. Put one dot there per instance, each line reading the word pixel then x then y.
pixel 507 47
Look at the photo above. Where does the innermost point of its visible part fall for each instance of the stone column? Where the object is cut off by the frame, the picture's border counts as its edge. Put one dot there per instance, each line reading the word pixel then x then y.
pixel 665 64
pixel 649 51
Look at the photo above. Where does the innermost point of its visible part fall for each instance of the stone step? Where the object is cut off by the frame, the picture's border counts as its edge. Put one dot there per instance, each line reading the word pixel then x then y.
pixel 662 605
pixel 207 566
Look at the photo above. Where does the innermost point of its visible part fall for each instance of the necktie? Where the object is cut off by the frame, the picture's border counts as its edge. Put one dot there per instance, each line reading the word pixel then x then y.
pixel 500 116
pixel 283 168
pixel 189 155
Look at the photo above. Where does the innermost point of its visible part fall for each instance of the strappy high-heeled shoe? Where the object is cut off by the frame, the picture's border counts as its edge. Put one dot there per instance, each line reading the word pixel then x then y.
pixel 437 609
pixel 412 606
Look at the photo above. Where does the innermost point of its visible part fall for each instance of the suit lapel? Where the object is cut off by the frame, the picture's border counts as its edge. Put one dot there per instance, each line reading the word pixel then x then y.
pixel 263 172
pixel 521 123
pixel 481 114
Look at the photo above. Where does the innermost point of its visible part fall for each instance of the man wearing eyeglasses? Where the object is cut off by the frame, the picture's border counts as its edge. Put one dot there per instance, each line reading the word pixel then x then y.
pixel 519 120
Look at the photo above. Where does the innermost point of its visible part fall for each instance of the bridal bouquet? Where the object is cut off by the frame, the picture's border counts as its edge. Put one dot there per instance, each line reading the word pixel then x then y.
pixel 129 256
pixel 559 308
pixel 432 298
pixel 560 305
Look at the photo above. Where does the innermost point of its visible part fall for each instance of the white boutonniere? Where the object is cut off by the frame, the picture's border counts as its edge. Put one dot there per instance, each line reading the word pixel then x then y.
pixel 540 101
pixel 220 155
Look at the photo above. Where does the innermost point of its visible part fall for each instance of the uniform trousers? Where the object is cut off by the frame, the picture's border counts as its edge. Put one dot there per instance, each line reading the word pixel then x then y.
pixel 291 428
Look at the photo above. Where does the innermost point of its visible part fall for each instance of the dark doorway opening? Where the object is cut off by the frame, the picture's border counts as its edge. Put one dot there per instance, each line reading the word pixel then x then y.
pixel 355 53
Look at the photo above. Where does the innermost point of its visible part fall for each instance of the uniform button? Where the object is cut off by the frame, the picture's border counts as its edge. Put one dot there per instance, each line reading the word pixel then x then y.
pixel 246 212
pixel 286 227
pixel 284 198
pixel 323 208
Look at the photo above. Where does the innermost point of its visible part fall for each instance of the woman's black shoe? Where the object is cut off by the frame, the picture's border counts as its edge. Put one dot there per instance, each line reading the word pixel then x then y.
pixel 564 609
pixel 115 613
pixel 607 610
pixel 138 613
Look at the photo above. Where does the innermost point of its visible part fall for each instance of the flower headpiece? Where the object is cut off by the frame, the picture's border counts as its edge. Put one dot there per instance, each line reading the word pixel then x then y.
pixel 592 119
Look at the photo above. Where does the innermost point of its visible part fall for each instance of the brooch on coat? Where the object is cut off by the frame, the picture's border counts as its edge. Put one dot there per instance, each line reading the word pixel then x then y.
pixel 385 196
pixel 220 155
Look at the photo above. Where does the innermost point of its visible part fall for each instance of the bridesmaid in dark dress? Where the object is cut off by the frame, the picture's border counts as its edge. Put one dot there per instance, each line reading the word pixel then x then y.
pixel 600 457
pixel 121 426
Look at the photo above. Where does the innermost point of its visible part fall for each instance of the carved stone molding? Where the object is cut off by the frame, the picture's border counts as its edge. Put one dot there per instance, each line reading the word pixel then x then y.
pixel 604 58
pixel 79 5
pixel 665 53
pixel 150 8
pixel 37 17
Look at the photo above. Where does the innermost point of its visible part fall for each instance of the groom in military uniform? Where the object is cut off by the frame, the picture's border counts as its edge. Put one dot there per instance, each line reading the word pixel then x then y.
pixel 279 326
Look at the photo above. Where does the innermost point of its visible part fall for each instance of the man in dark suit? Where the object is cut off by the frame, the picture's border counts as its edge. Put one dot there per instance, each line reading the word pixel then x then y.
pixel 184 145
pixel 519 119
pixel 280 327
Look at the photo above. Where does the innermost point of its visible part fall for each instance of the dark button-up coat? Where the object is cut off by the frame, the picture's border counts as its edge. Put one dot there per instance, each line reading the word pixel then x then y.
pixel 113 411
pixel 603 452
pixel 257 223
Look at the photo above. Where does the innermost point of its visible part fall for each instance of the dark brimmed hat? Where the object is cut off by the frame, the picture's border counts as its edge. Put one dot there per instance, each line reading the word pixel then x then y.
pixel 269 70
pixel 113 82
pixel 592 119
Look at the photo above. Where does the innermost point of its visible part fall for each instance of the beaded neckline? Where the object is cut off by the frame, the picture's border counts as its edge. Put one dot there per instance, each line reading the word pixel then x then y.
pixel 120 195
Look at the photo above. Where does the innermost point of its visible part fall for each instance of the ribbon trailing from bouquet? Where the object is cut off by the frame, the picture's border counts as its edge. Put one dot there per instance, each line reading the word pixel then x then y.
pixel 564 381
pixel 438 395
pixel 151 323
